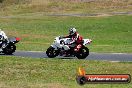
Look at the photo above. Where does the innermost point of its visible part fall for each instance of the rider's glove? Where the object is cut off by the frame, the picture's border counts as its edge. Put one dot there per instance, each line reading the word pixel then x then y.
pixel 61 37
pixel 69 43
pixel 7 40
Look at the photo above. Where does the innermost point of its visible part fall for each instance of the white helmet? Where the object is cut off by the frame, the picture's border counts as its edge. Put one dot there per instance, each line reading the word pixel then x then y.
pixel 72 31
pixel 1 37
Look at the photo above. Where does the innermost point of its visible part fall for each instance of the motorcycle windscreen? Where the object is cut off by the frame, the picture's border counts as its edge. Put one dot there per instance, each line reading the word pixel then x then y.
pixel 13 39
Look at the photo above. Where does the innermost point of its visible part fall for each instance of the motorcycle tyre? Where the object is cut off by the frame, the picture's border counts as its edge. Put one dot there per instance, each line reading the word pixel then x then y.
pixel 51 52
pixel 83 55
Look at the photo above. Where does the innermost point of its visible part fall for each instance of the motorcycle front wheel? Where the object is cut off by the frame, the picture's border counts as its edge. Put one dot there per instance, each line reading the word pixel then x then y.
pixel 82 53
pixel 51 52
pixel 9 49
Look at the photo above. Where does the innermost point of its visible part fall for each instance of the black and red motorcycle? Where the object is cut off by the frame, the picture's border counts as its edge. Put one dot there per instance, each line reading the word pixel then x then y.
pixel 9 47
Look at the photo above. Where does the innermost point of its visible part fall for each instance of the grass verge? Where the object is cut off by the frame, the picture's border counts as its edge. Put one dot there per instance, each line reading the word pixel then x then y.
pixel 9 7
pixel 55 73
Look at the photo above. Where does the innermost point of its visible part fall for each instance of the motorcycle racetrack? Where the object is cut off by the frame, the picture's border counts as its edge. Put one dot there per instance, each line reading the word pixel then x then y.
pixel 123 57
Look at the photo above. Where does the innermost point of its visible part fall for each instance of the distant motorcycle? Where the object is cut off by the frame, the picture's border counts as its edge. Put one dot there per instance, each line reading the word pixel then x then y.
pixel 60 47
pixel 10 47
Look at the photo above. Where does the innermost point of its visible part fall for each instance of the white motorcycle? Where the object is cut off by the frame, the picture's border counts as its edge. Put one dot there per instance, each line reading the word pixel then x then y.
pixel 60 47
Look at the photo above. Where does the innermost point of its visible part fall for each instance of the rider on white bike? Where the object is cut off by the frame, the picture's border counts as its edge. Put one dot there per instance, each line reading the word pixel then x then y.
pixel 71 45
pixel 76 38
pixel 3 37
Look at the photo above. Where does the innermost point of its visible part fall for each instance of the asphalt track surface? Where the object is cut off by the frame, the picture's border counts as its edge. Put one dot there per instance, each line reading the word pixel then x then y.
pixel 92 56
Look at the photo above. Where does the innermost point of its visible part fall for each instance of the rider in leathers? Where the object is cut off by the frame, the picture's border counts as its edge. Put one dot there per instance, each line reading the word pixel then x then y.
pixel 76 39
pixel 3 38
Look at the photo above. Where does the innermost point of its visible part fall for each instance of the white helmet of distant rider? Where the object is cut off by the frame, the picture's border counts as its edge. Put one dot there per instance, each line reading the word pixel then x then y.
pixel 1 37
pixel 72 31
pixel 2 33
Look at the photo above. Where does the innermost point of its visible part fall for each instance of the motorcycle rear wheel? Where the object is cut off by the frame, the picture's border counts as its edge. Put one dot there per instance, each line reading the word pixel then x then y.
pixel 82 53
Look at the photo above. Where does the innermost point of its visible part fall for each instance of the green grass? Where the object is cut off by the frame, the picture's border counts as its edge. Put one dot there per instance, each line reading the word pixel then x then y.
pixel 26 19
pixel 55 73
pixel 9 7
pixel 109 34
